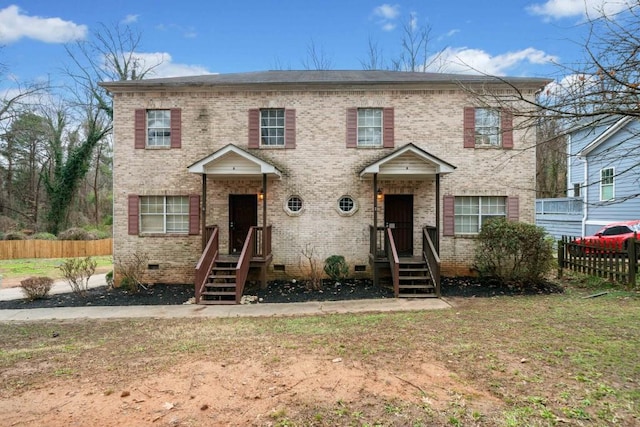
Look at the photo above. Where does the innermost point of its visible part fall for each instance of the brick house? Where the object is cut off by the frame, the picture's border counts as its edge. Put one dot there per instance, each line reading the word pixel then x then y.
pixel 219 178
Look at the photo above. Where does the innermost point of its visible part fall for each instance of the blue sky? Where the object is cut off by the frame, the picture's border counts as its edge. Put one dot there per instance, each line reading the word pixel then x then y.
pixel 506 37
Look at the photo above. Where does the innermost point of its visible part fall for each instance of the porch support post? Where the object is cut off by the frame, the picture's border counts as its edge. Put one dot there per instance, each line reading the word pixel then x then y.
pixel 375 230
pixel 203 209
pixel 263 268
pixel 437 242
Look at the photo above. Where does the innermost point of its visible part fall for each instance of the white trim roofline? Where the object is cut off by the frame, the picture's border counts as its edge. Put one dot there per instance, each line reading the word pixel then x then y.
pixel 604 136
pixel 201 165
pixel 441 166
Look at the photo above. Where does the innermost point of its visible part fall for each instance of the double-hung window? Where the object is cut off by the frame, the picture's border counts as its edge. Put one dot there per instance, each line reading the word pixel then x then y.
pixel 606 184
pixel 369 127
pixel 487 127
pixel 158 128
pixel 164 214
pixel 272 128
pixel 473 211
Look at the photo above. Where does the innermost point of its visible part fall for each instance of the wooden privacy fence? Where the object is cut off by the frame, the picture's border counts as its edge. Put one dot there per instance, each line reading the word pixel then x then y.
pixel 609 262
pixel 17 249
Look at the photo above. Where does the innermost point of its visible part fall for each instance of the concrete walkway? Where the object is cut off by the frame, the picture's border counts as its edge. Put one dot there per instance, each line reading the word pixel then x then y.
pixel 207 311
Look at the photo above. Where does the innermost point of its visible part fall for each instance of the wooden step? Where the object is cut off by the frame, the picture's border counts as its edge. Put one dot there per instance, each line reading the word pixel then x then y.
pixel 423 278
pixel 222 276
pixel 218 294
pixel 217 301
pixel 219 285
pixel 420 286
pixel 421 295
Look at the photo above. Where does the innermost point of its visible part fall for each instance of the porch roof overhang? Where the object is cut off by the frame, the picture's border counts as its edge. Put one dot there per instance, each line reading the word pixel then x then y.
pixel 407 163
pixel 231 162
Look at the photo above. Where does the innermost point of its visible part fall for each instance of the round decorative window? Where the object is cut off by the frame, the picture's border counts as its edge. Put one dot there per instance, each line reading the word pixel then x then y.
pixel 294 205
pixel 347 206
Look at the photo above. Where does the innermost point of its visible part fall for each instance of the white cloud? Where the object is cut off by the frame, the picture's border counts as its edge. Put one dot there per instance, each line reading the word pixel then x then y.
pixel 163 66
pixel 130 19
pixel 387 11
pixel 15 25
pixel 475 61
pixel 558 9
pixel 385 15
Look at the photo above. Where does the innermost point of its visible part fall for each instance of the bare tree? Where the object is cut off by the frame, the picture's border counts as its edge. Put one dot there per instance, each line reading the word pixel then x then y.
pixel 416 54
pixel 317 58
pixel 597 91
pixel 375 59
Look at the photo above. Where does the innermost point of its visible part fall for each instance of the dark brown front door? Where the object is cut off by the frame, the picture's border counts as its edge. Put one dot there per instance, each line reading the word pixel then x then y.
pixel 243 214
pixel 398 215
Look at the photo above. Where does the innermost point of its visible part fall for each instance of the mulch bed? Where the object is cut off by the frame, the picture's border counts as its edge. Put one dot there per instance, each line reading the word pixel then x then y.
pixel 277 292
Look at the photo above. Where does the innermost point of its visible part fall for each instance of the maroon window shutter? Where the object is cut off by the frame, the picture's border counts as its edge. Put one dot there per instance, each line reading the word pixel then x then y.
pixel 194 214
pixel 513 208
pixel 507 129
pixel 388 131
pixel 254 128
pixel 448 216
pixel 133 214
pixel 140 133
pixel 290 128
pixel 469 127
pixel 176 128
pixel 352 127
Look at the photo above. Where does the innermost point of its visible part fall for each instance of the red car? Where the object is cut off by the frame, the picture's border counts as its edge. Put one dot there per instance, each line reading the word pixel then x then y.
pixel 612 236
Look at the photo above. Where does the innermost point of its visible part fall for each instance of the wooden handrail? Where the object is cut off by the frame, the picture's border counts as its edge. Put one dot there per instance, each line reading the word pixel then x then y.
pixel 430 255
pixel 394 261
pixel 242 268
pixel 206 262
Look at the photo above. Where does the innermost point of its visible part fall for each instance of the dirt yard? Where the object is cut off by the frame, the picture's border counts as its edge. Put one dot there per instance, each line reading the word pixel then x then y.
pixel 250 392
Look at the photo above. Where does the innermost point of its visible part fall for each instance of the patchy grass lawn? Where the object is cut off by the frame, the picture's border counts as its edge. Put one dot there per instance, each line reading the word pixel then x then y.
pixel 12 270
pixel 504 361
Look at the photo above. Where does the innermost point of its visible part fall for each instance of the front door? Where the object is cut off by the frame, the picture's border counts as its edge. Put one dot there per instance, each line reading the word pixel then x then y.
pixel 398 215
pixel 243 214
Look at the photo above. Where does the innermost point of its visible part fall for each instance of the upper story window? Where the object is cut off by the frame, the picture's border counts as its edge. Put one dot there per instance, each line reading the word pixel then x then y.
pixel 272 127
pixel 472 211
pixel 160 128
pixel 606 184
pixel 164 214
pixel 488 128
pixel 369 127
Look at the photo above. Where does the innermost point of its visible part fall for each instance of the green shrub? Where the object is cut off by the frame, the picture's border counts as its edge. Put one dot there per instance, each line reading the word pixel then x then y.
pixel 336 268
pixel 77 272
pixel 44 236
pixel 109 278
pixel 513 251
pixel 36 287
pixel 132 270
pixel 15 235
pixel 75 234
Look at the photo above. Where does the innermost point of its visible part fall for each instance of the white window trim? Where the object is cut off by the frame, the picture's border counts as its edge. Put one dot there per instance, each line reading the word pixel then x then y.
pixel 358 127
pixel 348 213
pixel 164 216
pixel 283 127
pixel 288 211
pixel 497 134
pixel 479 215
pixel 612 185
pixel 165 138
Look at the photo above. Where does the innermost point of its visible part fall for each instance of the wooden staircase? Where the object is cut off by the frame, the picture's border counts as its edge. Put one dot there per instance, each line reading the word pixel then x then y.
pixel 414 279
pixel 221 286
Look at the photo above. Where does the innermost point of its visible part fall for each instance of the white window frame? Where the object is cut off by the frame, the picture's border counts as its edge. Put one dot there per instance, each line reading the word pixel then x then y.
pixel 488 125
pixel 294 205
pixel 272 127
pixel 341 204
pixel 470 212
pixel 164 214
pixel 158 128
pixel 370 127
pixel 607 183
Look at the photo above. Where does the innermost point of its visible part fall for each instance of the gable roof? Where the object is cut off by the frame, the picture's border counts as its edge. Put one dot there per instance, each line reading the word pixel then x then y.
pixel 407 162
pixel 233 162
pixel 604 136
pixel 319 78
